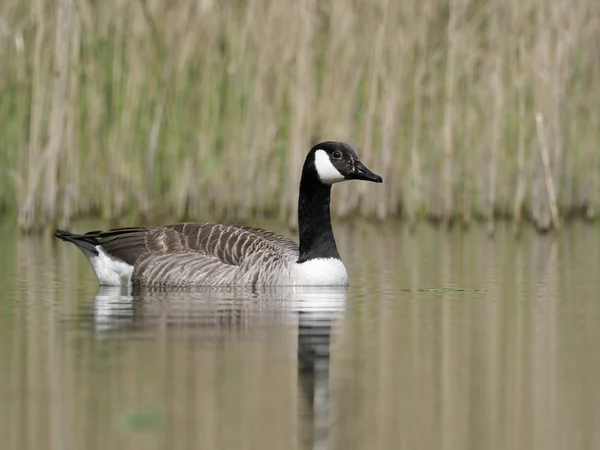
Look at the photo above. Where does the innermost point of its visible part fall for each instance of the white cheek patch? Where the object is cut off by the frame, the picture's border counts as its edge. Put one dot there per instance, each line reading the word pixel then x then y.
pixel 327 172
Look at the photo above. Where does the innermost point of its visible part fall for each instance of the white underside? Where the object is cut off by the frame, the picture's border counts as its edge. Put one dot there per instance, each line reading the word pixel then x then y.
pixel 321 272
pixel 110 271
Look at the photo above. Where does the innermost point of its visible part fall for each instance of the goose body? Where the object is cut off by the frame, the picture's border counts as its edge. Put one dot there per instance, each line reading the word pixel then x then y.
pixel 209 254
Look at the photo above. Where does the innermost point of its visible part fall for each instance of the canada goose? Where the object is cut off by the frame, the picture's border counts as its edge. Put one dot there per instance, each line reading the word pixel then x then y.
pixel 209 254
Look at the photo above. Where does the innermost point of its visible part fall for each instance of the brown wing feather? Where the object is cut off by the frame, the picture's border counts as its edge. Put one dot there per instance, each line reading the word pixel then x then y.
pixel 271 236
pixel 127 244
pixel 228 244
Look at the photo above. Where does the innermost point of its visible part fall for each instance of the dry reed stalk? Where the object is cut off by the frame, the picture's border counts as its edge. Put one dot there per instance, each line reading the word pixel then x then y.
pixel 467 172
pixel 590 185
pixel 374 73
pixel 31 165
pixel 386 162
pixel 72 146
pixel 559 157
pixel 165 58
pixel 13 148
pixel 391 149
pixel 336 113
pixel 235 121
pixel 301 95
pixel 547 170
pixel 157 122
pixel 414 199
pixel 562 19
pixel 57 123
pixel 256 115
pixel 541 214
pixel 521 176
pixel 117 190
pixel 166 54
pixel 201 196
pixel 448 147
pixel 280 59
pixel 496 120
pixel 592 156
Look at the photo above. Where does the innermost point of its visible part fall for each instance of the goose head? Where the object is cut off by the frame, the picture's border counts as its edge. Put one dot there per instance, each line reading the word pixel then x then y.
pixel 332 162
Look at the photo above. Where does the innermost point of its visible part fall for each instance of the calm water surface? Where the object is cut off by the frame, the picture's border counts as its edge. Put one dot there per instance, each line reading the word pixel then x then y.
pixel 443 341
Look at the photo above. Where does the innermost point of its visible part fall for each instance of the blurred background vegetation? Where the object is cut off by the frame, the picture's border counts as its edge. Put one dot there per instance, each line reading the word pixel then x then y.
pixel 148 109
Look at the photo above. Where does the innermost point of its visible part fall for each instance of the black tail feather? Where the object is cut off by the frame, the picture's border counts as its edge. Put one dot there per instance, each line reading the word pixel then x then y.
pixel 84 242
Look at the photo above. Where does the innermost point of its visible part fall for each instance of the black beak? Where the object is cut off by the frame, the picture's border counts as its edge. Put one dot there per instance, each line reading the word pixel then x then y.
pixel 362 173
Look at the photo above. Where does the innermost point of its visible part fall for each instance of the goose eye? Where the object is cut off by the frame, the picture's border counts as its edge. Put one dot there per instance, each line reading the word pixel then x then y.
pixel 336 155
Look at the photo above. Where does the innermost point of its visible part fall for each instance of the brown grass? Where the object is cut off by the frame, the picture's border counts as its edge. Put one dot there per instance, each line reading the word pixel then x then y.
pixel 206 109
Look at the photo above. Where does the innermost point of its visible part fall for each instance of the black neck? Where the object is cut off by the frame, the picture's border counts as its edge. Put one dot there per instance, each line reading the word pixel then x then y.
pixel 314 220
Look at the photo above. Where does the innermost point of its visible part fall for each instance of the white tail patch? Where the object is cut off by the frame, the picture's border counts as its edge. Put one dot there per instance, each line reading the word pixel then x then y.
pixel 327 172
pixel 113 308
pixel 321 272
pixel 110 271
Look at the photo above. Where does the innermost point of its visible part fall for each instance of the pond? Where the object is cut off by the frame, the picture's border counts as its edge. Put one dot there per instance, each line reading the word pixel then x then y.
pixel 444 340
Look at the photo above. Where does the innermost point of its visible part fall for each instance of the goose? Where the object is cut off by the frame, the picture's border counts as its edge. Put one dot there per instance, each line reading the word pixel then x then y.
pixel 212 254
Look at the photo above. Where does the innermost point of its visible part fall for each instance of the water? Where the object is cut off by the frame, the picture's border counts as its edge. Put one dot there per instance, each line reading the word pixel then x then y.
pixel 443 341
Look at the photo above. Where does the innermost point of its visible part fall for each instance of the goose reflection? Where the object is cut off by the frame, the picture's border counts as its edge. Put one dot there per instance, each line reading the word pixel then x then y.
pixel 313 311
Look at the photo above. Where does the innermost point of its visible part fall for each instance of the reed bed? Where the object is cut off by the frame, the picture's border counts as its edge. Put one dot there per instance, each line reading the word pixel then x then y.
pixel 470 110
